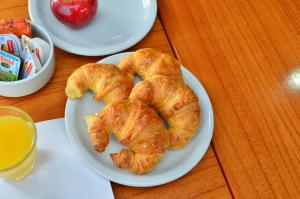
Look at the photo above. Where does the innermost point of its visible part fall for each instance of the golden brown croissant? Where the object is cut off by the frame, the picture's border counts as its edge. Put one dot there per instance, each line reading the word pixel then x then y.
pixel 136 126
pixel 176 102
pixel 148 62
pixel 107 81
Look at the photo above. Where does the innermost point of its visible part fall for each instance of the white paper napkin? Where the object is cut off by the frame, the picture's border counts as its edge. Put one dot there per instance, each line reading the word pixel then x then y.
pixel 59 172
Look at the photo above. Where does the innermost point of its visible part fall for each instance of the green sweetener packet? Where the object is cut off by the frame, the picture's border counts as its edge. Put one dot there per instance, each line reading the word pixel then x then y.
pixel 9 66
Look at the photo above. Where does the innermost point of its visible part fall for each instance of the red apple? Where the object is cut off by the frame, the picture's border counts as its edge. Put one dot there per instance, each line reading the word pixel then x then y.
pixel 74 13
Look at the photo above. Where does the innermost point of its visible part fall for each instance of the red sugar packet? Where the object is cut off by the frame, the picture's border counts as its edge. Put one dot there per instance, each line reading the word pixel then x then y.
pixel 17 27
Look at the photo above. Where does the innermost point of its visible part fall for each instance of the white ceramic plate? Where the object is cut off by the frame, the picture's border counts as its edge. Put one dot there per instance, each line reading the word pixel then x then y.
pixel 118 25
pixel 175 163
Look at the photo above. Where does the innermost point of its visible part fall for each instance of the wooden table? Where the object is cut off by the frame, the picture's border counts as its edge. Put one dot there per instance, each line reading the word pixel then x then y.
pixel 247 55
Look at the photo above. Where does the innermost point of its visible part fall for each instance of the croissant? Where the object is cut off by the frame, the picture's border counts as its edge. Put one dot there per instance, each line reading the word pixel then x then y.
pixel 107 81
pixel 148 62
pixel 136 126
pixel 177 103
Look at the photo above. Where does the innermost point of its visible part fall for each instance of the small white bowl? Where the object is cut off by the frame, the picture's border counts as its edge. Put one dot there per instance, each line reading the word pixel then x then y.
pixel 28 86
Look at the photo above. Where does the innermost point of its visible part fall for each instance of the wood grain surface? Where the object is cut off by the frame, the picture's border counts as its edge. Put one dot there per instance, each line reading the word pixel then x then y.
pixel 206 180
pixel 247 55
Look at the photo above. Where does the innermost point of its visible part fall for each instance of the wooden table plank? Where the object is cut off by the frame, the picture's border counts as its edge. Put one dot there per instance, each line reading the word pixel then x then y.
pixel 247 55
pixel 204 181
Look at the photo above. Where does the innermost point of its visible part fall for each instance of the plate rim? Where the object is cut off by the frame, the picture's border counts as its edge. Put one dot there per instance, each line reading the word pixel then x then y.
pixel 88 160
pixel 85 51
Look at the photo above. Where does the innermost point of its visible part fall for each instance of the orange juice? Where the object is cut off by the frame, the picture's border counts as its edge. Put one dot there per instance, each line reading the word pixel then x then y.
pixel 17 146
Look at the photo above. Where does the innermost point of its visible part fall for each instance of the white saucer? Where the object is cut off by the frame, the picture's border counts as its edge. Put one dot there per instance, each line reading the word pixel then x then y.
pixel 175 163
pixel 118 25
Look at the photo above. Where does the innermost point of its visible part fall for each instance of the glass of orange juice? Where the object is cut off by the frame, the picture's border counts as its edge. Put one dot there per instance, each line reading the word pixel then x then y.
pixel 17 143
